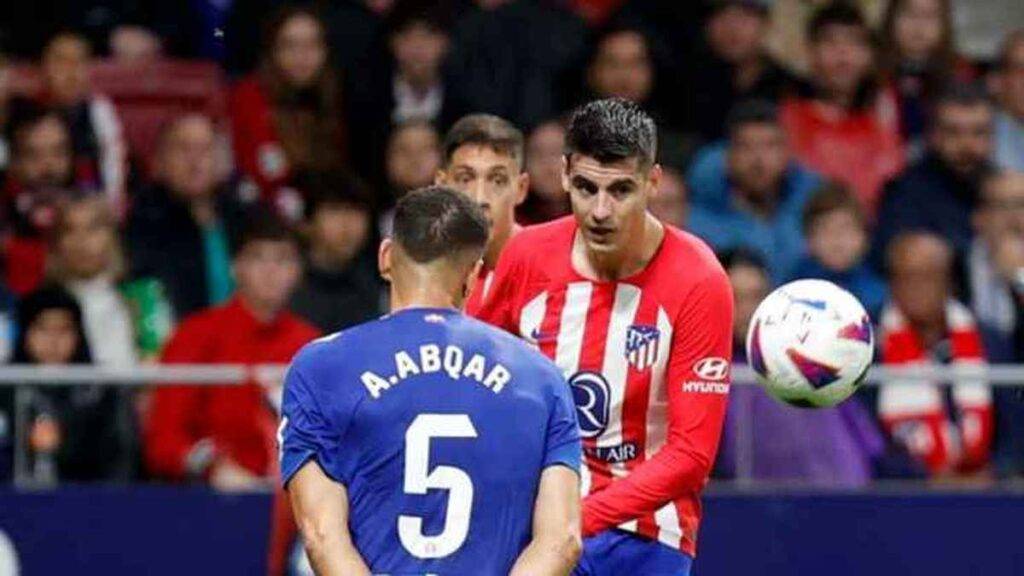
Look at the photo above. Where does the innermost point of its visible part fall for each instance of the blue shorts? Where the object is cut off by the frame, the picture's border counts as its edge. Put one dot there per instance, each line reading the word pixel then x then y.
pixel 615 552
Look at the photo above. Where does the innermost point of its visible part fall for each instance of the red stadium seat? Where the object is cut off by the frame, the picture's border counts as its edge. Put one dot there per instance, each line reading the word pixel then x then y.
pixel 146 95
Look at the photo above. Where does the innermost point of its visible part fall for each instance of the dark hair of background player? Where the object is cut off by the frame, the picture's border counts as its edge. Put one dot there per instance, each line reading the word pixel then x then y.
pixel 435 222
pixel 485 130
pixel 611 130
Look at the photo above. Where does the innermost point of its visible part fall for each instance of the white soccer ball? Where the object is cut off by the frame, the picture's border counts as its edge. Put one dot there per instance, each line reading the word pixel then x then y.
pixel 810 343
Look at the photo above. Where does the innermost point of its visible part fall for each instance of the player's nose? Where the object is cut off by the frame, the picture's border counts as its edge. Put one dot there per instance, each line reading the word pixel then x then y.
pixel 602 207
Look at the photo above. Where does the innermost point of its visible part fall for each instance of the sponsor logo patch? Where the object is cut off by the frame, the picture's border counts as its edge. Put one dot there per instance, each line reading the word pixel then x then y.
pixel 592 395
pixel 712 368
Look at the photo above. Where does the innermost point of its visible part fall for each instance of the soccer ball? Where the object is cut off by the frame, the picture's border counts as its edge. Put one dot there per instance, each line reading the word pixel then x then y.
pixel 810 343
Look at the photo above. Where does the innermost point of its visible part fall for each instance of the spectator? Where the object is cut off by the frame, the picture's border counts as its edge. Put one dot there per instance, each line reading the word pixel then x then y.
pixel 287 118
pixel 96 135
pixel 924 325
pixel 842 124
pixel 407 85
pixel 134 44
pixel 939 192
pixel 749 193
pixel 545 148
pixel 41 173
pixel 225 435
pixel 411 161
pixel 919 57
pixel 828 447
pixel 669 204
pixel 734 65
pixel 86 260
pixel 76 433
pixel 508 56
pixel 341 286
pixel 1009 86
pixel 626 62
pixel 181 228
pixel 995 263
pixel 995 283
pixel 5 152
pixel 836 233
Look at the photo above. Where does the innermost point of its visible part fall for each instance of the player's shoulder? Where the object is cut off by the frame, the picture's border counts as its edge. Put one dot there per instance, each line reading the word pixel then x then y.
pixel 686 254
pixel 517 350
pixel 332 350
pixel 535 239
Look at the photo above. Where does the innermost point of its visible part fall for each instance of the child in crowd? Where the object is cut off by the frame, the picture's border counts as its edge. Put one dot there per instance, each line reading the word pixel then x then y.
pixel 835 229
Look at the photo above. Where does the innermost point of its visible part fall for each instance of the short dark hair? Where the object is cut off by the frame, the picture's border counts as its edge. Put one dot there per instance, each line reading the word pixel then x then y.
pixel 24 115
pixel 830 197
pixel 840 13
pixel 961 94
pixel 409 14
pixel 437 222
pixel 610 130
pixel 329 188
pixel 263 225
pixel 484 130
pixel 753 111
pixel 740 256
pixel 1012 39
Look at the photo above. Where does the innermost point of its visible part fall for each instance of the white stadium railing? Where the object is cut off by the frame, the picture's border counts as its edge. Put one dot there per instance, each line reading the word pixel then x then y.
pixel 228 374
pixel 24 378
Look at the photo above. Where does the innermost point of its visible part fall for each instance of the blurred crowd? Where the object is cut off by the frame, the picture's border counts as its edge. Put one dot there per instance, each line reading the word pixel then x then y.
pixel 206 182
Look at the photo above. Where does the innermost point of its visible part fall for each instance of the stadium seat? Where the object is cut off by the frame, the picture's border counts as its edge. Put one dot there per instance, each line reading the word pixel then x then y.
pixel 146 95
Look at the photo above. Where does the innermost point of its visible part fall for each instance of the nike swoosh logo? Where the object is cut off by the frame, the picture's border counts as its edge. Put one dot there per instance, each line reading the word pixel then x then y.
pixel 537 336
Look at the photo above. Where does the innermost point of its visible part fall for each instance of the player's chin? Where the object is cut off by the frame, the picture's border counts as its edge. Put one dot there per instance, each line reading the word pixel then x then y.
pixel 602 242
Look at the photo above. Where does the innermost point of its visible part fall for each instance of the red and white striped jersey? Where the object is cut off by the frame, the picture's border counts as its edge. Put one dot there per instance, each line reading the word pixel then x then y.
pixel 647 358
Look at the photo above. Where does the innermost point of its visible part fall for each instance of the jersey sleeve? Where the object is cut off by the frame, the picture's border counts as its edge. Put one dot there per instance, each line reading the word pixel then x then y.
pixel 498 305
pixel 563 445
pixel 305 433
pixel 698 385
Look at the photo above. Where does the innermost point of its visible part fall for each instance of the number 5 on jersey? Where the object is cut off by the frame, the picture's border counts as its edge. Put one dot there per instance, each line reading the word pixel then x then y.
pixel 419 478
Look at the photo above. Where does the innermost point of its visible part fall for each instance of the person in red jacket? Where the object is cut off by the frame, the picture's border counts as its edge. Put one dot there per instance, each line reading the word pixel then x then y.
pixel 226 434
pixel 286 118
pixel 842 123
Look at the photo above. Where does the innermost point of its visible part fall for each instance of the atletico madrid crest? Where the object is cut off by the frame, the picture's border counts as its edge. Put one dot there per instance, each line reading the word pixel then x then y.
pixel 642 346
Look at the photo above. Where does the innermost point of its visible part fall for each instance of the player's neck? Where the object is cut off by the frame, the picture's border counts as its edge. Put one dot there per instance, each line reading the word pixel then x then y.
pixel 497 244
pixel 425 295
pixel 632 259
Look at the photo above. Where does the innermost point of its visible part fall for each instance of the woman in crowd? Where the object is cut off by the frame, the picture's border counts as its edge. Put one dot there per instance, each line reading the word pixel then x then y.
pixel 287 117
pixel 919 58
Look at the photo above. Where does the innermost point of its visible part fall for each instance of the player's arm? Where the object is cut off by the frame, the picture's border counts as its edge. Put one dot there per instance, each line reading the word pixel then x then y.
pixel 703 329
pixel 321 512
pixel 556 543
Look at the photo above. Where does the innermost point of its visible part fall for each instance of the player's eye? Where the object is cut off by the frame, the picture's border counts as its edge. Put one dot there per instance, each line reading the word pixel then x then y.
pixel 585 186
pixel 499 180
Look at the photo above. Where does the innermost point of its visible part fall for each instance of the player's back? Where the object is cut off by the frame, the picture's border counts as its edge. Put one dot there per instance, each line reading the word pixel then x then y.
pixel 444 426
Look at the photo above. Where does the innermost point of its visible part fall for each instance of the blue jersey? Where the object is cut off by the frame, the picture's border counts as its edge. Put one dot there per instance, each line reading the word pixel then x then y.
pixel 439 426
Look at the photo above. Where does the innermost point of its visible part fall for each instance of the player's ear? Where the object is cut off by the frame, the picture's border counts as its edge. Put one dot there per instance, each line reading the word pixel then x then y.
pixel 565 173
pixel 522 187
pixel 384 254
pixel 654 177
